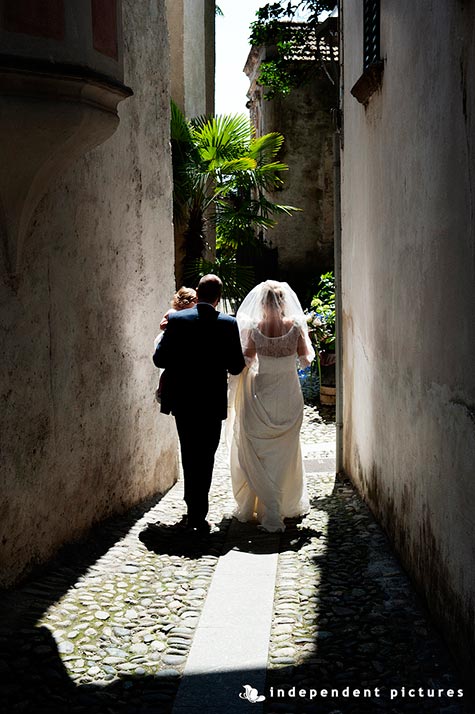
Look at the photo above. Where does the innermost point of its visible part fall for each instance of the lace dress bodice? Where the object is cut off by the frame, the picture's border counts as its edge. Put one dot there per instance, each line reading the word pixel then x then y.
pixel 283 346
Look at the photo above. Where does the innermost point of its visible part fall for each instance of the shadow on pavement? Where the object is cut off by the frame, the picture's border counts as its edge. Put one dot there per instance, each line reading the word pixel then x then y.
pixel 173 539
pixel 372 631
pixel 32 675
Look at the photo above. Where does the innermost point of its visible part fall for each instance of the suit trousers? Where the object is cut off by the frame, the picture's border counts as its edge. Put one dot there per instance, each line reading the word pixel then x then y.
pixel 199 439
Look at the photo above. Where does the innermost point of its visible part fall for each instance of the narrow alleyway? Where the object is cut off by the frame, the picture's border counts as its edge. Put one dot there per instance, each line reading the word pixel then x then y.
pixel 114 622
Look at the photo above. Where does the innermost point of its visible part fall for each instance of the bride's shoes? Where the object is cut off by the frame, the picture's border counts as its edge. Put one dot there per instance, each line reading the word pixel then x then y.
pixel 247 517
pixel 270 530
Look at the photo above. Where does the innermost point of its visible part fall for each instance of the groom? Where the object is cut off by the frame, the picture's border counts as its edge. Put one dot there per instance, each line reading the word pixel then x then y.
pixel 199 346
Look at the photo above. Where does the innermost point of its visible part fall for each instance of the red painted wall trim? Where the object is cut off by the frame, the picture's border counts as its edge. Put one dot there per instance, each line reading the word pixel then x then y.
pixel 104 27
pixel 40 18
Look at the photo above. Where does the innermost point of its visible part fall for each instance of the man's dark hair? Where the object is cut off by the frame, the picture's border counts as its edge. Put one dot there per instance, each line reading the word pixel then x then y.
pixel 209 288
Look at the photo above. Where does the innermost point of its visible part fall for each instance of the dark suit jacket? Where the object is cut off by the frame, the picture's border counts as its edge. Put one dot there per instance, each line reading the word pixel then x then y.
pixel 199 347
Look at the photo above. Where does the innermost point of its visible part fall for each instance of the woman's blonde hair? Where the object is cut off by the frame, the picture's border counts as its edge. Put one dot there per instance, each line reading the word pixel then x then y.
pixel 273 295
pixel 183 298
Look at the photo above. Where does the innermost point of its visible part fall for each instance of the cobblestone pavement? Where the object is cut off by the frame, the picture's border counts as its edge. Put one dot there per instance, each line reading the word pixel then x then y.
pixel 107 626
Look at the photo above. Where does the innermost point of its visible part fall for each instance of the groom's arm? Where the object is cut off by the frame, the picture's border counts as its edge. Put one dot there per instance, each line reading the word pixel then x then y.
pixel 235 361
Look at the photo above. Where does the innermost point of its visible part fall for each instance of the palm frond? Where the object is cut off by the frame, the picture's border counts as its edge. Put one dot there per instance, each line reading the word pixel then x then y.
pixel 219 164
pixel 237 279
pixel 244 163
pixel 288 210
pixel 273 167
pixel 265 148
pixel 222 138
pixel 179 127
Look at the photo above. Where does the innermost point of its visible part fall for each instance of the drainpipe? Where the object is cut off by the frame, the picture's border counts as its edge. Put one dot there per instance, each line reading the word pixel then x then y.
pixel 337 243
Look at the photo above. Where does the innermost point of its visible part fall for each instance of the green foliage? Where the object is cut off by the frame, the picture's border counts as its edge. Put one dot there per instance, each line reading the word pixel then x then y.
pixel 220 139
pixel 222 175
pixel 278 77
pixel 273 27
pixel 284 10
pixel 184 158
pixel 237 279
pixel 324 311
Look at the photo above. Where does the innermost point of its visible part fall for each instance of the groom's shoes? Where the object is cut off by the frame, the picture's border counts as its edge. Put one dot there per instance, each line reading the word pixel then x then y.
pixel 201 528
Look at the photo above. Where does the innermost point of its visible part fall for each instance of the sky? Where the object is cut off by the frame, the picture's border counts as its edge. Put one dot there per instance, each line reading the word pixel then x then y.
pixel 232 49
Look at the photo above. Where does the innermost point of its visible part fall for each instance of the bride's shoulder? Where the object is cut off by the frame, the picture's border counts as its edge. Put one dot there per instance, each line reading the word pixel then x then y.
pixel 290 325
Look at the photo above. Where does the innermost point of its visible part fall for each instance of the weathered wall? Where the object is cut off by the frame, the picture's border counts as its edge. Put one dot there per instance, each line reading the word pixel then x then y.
pixel 304 241
pixel 176 40
pixel 210 54
pixel 80 432
pixel 192 51
pixel 409 296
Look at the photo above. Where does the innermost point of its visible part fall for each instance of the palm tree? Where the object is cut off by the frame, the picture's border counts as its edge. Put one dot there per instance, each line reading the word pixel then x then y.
pixel 222 175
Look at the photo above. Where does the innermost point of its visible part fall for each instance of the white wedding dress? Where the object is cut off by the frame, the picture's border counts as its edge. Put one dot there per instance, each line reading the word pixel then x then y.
pixel 267 469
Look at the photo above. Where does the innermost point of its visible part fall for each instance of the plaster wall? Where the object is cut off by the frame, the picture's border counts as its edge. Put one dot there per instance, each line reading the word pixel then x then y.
pixel 81 436
pixel 192 51
pixel 304 241
pixel 195 55
pixel 177 43
pixel 409 296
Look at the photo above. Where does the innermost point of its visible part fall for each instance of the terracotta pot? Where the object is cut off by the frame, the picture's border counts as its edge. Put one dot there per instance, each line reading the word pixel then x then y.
pixel 327 395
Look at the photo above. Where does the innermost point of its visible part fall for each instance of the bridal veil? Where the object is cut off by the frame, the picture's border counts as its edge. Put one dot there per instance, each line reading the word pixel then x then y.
pixel 266 408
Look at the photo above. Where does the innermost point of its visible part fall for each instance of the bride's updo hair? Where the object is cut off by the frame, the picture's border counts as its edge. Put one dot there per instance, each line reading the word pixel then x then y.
pixel 273 297
pixel 273 309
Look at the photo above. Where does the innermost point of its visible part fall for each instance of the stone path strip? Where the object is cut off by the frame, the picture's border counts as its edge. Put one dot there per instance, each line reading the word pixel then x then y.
pixel 116 620
pixel 233 633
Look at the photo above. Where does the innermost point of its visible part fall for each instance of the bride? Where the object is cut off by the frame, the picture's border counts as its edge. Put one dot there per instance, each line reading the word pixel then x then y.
pixel 267 408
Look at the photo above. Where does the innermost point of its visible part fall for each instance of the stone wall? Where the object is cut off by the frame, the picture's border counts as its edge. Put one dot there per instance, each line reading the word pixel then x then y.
pixel 303 241
pixel 409 296
pixel 81 436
